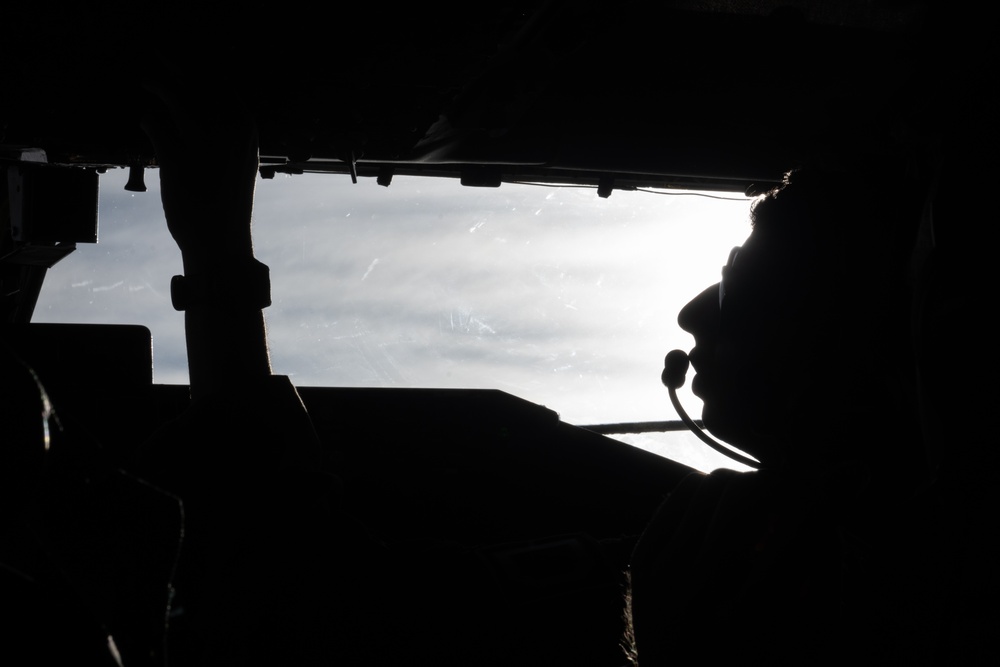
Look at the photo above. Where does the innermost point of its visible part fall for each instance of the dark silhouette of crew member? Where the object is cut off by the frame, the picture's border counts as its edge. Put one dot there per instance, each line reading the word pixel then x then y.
pixel 805 358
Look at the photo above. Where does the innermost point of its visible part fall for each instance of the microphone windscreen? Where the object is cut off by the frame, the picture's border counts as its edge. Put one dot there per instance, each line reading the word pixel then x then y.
pixel 675 367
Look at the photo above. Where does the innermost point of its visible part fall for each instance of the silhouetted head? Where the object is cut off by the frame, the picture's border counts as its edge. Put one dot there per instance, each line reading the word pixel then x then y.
pixel 810 323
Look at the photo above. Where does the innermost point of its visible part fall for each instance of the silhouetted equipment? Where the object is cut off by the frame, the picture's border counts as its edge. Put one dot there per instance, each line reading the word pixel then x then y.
pixel 44 212
pixel 135 181
pixel 52 205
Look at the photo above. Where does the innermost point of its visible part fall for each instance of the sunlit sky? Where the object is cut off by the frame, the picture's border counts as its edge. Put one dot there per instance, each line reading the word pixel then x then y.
pixel 552 294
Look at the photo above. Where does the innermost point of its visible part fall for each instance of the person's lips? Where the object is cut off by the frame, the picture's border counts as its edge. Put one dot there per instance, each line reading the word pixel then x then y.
pixel 697 358
pixel 696 385
pixel 693 357
pixel 698 364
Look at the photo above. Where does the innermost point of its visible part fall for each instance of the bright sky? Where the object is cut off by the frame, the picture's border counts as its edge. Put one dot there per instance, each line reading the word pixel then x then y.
pixel 552 294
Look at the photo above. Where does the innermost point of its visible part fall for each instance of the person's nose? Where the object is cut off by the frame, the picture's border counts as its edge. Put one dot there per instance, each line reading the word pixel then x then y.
pixel 701 314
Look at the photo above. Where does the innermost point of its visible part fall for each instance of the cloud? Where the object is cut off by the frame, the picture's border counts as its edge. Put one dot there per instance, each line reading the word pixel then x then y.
pixel 556 295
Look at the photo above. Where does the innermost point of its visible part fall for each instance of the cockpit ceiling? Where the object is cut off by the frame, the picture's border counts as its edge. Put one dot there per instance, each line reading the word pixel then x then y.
pixel 687 92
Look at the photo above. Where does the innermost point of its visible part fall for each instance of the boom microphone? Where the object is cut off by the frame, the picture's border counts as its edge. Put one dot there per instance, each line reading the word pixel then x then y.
pixel 675 367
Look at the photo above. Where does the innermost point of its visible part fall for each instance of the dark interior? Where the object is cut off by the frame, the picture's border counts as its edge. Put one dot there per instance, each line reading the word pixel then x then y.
pixel 721 95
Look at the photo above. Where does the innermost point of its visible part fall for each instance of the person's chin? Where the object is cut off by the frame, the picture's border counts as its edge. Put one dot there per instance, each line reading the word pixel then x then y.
pixel 705 386
pixel 723 424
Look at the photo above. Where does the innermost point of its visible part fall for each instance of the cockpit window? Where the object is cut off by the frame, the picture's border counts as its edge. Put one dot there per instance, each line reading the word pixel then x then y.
pixel 553 294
